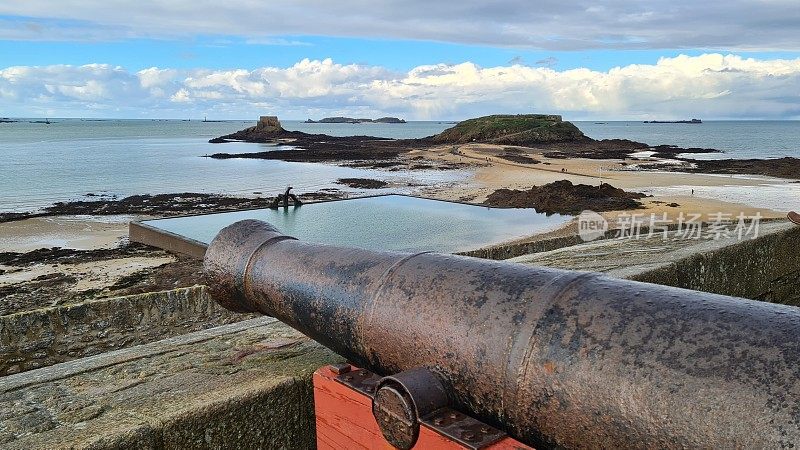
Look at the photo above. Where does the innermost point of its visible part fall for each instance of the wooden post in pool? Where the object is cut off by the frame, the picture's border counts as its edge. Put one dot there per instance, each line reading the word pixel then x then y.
pixel 285 198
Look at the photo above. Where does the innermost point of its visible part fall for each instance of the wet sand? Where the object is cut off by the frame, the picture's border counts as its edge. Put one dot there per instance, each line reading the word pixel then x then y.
pixel 49 277
pixel 76 232
pixel 497 173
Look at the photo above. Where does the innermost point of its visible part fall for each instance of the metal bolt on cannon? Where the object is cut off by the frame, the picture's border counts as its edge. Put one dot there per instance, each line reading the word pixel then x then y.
pixel 554 358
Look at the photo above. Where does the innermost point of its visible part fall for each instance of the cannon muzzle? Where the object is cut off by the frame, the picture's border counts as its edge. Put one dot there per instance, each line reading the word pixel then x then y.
pixel 556 358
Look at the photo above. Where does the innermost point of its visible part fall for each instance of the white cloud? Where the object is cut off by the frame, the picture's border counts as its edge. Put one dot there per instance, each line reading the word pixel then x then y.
pixel 547 24
pixel 182 96
pixel 707 86
pixel 155 77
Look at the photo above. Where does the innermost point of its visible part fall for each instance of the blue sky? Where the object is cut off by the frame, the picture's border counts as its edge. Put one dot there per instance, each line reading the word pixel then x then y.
pixel 226 52
pixel 589 59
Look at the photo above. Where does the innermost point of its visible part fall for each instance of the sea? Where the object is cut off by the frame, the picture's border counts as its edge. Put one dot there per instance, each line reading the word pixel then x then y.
pixel 79 159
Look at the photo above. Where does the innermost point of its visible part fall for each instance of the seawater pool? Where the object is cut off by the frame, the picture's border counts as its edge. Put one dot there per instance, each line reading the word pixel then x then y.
pixel 388 222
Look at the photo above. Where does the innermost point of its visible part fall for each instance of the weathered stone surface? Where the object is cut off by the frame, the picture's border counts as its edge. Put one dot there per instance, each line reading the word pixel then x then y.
pixel 39 338
pixel 762 268
pixel 243 385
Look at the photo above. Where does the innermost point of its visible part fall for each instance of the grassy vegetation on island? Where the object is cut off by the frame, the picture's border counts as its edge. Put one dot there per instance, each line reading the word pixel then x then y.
pixel 523 129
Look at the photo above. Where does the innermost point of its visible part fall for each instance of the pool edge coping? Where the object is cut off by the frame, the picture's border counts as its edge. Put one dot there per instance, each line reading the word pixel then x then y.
pixel 142 233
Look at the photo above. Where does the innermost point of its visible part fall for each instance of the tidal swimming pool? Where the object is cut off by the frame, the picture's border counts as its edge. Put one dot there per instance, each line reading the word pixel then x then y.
pixel 387 222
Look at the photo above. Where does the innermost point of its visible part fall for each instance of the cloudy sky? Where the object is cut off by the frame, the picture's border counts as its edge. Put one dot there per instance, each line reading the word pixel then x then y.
pixel 414 59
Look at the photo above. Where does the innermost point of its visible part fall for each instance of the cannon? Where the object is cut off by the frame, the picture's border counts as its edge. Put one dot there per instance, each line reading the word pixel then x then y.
pixel 558 359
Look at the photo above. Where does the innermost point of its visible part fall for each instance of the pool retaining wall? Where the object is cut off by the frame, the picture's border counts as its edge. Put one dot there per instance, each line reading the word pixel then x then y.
pixel 47 336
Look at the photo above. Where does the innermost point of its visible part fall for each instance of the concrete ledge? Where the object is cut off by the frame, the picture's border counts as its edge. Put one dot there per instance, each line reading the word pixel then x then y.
pixel 765 268
pixel 39 338
pixel 243 385
pixel 145 234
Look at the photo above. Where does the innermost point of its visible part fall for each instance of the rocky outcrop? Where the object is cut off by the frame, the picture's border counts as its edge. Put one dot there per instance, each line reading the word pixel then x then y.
pixel 563 197
pixel 786 167
pixel 362 183
pixel 156 204
pixel 267 128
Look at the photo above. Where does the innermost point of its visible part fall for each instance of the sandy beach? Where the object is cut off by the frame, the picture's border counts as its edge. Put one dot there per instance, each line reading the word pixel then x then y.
pixel 492 172
pixel 76 232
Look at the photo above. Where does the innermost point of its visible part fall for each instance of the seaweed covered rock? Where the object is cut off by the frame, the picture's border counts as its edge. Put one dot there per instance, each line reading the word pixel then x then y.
pixel 563 197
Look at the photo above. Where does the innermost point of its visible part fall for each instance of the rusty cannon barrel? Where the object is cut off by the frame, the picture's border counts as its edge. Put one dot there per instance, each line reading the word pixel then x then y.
pixel 556 358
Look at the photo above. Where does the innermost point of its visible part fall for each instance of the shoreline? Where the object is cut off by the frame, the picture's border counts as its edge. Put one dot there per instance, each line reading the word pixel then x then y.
pixel 491 167
pixel 563 171
pixel 102 263
pixel 103 223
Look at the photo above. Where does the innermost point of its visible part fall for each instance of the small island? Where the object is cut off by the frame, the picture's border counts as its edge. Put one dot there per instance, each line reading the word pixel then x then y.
pixel 522 139
pixel 674 121
pixel 352 120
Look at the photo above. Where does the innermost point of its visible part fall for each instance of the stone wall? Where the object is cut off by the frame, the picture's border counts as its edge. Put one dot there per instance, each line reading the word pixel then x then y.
pixel 237 386
pixel 47 336
pixel 268 123
pixel 767 268
pixel 508 251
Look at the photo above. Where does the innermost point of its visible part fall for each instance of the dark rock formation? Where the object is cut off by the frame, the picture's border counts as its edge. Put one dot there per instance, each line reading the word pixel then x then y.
pixel 786 167
pixel 614 149
pixel 362 183
pixel 157 205
pixel 267 128
pixel 517 155
pixel 563 197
